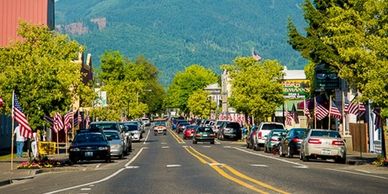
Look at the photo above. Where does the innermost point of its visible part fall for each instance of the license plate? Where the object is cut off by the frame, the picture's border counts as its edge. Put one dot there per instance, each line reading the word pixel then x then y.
pixel 88 154
pixel 326 152
pixel 204 135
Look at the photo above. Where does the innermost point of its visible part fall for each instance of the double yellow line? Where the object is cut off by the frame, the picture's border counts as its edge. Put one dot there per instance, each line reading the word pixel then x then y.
pixel 176 136
pixel 233 175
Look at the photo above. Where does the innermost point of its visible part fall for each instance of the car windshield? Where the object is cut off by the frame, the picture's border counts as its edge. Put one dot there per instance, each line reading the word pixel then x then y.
pixel 89 138
pixel 205 129
pixel 111 134
pixel 160 123
pixel 131 127
pixel 103 126
pixel 272 126
pixel 334 134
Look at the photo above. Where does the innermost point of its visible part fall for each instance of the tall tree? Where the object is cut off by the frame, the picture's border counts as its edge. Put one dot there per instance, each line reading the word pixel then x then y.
pixel 200 105
pixel 194 77
pixel 41 72
pixel 256 86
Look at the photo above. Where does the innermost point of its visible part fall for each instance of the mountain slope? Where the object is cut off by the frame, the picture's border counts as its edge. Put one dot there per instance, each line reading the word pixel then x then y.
pixel 176 33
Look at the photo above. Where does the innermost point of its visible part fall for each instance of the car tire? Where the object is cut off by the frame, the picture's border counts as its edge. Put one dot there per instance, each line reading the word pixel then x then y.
pixel 155 134
pixel 255 147
pixel 265 149
pixel 281 153
pixel 304 158
pixel 121 156
pixel 212 142
pixel 73 161
pixel 108 160
pixel 194 142
pixel 289 154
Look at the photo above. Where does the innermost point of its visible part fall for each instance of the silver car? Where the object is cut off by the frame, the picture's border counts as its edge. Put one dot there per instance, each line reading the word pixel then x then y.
pixel 116 142
pixel 323 144
pixel 133 131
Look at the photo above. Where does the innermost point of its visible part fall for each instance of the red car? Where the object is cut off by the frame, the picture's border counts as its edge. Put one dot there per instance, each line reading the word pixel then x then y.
pixel 189 131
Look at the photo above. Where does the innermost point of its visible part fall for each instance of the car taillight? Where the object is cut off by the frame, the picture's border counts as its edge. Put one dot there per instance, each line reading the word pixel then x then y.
pixel 338 143
pixel 273 139
pixel 259 135
pixel 314 141
pixel 198 135
pixel 212 135
pixel 295 140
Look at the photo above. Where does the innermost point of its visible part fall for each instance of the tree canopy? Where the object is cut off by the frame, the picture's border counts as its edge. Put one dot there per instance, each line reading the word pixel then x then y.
pixel 40 70
pixel 133 88
pixel 256 86
pixel 200 105
pixel 351 37
pixel 193 78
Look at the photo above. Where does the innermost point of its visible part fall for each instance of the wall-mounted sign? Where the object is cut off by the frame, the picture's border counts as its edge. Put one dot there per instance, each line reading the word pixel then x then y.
pixel 295 88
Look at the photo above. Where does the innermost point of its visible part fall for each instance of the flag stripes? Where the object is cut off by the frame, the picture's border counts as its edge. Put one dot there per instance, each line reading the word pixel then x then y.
pixel 334 111
pixel 320 111
pixel 68 119
pixel 20 117
pixel 58 122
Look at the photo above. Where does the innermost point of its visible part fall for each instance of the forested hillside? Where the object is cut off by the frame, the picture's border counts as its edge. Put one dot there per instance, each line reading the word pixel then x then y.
pixel 174 34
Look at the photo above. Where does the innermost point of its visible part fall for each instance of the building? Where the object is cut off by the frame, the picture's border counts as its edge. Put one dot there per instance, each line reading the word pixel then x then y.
pixel 12 12
pixel 39 12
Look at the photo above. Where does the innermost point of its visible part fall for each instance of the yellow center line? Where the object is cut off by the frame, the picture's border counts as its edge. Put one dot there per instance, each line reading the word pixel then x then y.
pixel 176 137
pixel 201 157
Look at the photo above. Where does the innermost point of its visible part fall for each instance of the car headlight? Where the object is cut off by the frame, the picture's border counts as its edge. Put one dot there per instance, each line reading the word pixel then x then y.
pixel 103 148
pixel 75 149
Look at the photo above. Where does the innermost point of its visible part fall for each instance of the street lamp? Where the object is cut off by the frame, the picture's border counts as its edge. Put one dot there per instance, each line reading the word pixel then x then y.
pixel 210 106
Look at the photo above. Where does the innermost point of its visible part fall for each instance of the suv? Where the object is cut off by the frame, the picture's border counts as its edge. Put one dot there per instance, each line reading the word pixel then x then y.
pixel 229 130
pixel 260 134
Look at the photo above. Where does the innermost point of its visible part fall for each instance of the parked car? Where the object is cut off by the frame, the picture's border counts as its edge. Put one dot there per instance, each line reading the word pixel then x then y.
pixel 273 139
pixel 181 125
pixel 159 127
pixel 138 123
pixel 261 133
pixel 218 124
pixel 146 121
pixel 229 130
pixel 188 133
pixel 116 142
pixel 204 134
pixel 291 142
pixel 89 146
pixel 113 125
pixel 133 131
pixel 324 144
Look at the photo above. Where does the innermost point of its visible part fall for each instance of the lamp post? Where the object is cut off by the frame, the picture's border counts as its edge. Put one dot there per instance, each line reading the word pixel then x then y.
pixel 210 106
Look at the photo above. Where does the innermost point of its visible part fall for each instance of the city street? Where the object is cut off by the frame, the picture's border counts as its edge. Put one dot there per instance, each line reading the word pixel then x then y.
pixel 168 164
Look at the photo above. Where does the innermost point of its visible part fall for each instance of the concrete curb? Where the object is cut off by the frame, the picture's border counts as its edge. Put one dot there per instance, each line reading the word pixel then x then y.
pixel 11 180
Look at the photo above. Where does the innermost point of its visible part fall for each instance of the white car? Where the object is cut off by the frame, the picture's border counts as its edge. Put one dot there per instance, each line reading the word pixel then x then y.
pixel 323 144
pixel 262 132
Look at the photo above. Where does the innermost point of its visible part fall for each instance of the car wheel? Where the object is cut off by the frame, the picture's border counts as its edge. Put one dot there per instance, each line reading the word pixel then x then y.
pixel 281 153
pixel 164 133
pixel 305 158
pixel 194 142
pixel 265 149
pixel 155 134
pixel 212 142
pixel 289 154
pixel 121 156
pixel 73 161
pixel 108 160
pixel 255 147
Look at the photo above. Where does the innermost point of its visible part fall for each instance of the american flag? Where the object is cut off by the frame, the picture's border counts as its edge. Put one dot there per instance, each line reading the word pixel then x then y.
pixel 68 119
pixel 1 102
pixel 306 110
pixel 334 111
pixel 256 56
pixel 289 118
pixel 320 111
pixel 49 120
pixel 58 122
pixel 355 108
pixel 20 117
pixel 377 112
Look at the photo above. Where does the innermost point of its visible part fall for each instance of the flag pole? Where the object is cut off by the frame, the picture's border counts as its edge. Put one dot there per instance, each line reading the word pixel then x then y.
pixel 343 113
pixel 315 114
pixel 12 128
pixel 328 127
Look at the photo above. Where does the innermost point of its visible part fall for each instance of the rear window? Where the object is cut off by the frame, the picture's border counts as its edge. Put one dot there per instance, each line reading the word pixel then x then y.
pixel 272 126
pixel 113 135
pixel 205 129
pixel 131 127
pixel 160 123
pixel 233 125
pixel 333 134
pixel 278 133
pixel 89 137
pixel 104 126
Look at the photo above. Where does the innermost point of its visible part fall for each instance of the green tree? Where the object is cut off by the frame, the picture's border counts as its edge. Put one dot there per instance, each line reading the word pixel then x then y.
pixel 41 72
pixel 133 88
pixel 194 77
pixel 256 87
pixel 200 105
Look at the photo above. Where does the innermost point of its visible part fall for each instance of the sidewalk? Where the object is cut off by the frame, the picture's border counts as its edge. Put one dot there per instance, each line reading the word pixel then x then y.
pixel 8 175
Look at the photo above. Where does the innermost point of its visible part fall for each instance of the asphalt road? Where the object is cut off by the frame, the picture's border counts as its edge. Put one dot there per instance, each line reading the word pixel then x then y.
pixel 168 164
